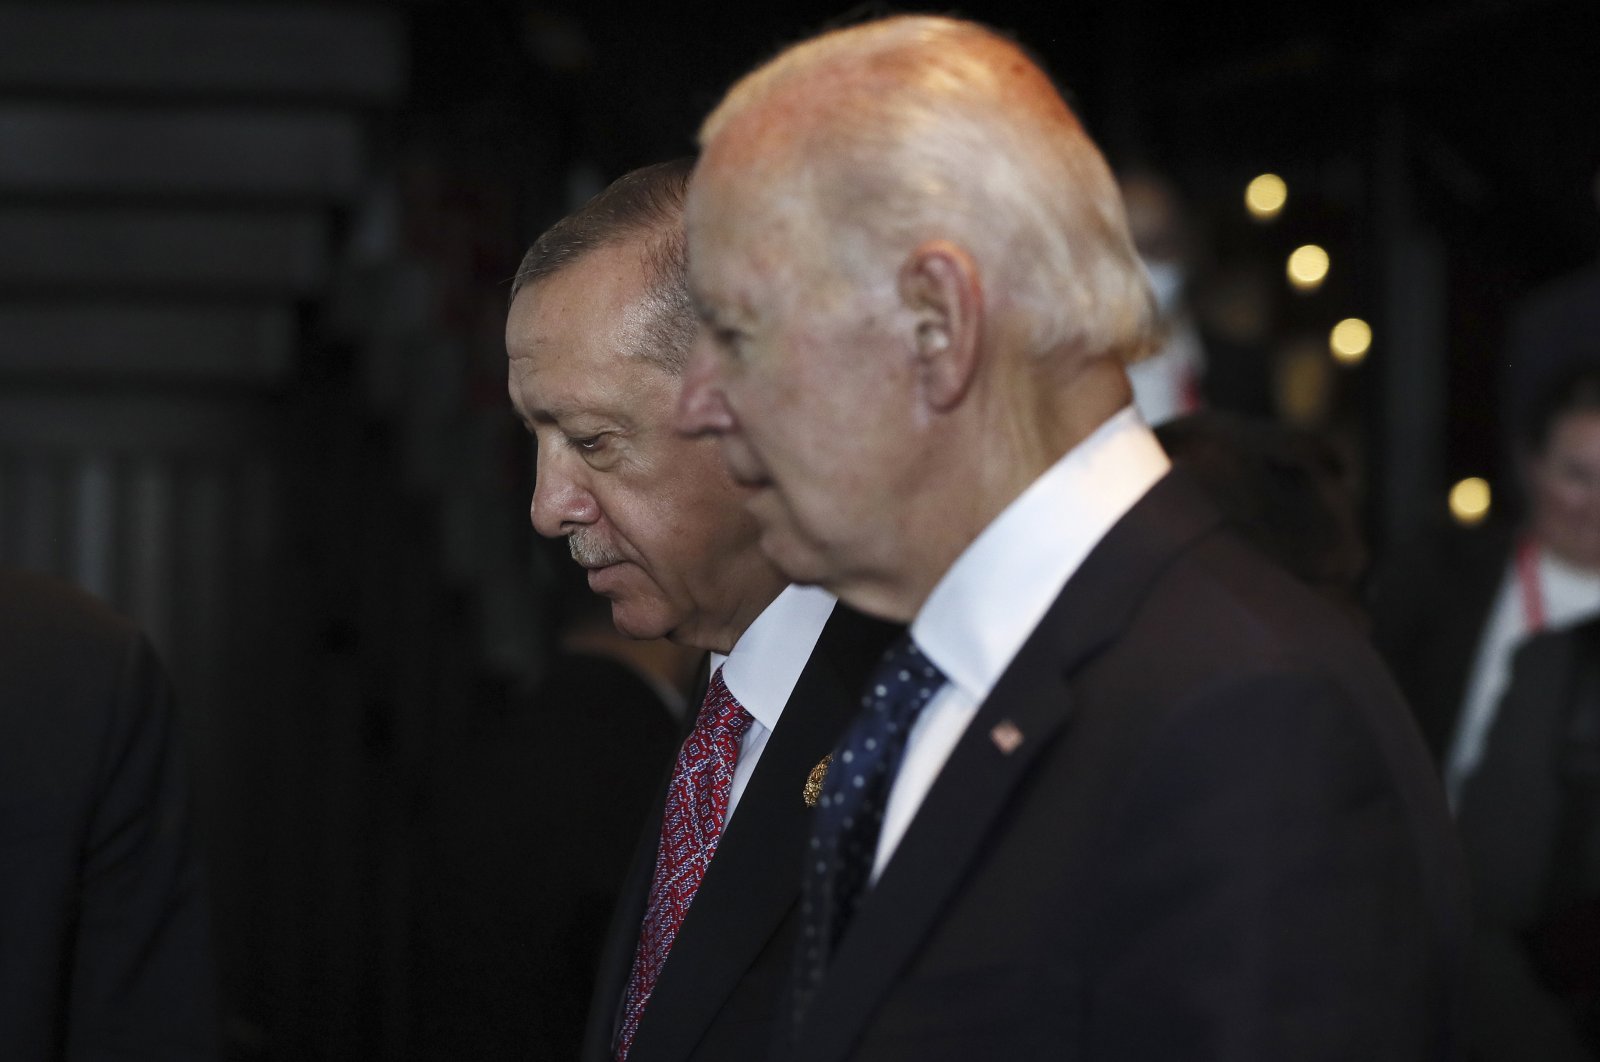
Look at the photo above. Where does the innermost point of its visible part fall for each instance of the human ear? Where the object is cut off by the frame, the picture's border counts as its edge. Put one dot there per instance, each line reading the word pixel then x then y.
pixel 940 286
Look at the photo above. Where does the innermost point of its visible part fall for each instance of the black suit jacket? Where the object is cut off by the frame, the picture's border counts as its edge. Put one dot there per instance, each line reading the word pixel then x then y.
pixel 718 994
pixel 104 941
pixel 1429 608
pixel 1219 838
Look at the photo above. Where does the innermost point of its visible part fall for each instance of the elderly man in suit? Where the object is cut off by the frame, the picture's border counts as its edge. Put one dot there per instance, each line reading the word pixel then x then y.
pixel 599 328
pixel 1125 791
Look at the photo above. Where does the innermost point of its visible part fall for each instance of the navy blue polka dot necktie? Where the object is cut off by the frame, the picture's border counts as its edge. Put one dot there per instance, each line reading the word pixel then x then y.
pixel 849 815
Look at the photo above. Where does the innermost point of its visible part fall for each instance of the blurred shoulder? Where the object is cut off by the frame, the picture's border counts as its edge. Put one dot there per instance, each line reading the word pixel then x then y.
pixel 39 608
pixel 60 645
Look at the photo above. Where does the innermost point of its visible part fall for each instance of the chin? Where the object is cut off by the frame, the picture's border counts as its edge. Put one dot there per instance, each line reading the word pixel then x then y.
pixel 798 562
pixel 1589 559
pixel 641 623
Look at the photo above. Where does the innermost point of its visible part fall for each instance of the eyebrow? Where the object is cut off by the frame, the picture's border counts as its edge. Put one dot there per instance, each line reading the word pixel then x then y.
pixel 555 415
pixel 737 315
pixel 541 415
pixel 526 422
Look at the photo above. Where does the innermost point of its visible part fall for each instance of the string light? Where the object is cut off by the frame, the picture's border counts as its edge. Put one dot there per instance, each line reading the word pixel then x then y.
pixel 1265 196
pixel 1470 501
pixel 1308 267
pixel 1350 340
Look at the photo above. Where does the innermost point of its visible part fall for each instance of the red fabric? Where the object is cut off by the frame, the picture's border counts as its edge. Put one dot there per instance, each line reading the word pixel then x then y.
pixel 691 825
pixel 1533 613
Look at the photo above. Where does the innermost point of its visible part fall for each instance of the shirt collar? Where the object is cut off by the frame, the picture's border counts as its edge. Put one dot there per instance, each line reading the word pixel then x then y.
pixel 999 588
pixel 765 663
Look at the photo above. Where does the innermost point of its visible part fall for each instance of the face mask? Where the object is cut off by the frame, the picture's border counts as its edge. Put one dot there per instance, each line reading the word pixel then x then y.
pixel 1166 281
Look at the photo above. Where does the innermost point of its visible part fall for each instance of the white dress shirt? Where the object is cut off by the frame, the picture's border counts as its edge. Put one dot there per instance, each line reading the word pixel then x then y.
pixel 998 590
pixel 1570 595
pixel 763 667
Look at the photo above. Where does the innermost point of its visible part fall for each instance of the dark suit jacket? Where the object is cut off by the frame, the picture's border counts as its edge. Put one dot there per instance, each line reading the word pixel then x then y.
pixel 1219 838
pixel 1429 608
pixel 104 941
pixel 1511 825
pixel 718 995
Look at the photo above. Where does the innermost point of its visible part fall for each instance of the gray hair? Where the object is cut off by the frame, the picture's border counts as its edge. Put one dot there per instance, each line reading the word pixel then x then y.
pixel 919 127
pixel 645 204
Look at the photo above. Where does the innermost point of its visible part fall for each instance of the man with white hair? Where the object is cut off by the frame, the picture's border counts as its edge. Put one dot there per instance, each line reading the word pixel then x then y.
pixel 1125 790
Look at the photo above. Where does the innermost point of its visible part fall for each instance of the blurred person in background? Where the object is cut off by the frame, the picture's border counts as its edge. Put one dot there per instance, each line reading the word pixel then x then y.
pixel 1449 613
pixel 1530 822
pixel 1525 760
pixel 1551 334
pixel 1167 382
pixel 105 941
pixel 599 329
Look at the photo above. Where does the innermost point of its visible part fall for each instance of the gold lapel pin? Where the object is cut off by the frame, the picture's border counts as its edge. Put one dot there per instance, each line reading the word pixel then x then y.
pixel 1006 736
pixel 813 787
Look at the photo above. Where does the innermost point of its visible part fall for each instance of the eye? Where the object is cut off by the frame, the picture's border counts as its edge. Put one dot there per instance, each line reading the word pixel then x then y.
pixel 587 443
pixel 731 342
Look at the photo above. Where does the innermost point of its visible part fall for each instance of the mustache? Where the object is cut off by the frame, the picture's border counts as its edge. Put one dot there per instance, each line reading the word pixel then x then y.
pixel 589 551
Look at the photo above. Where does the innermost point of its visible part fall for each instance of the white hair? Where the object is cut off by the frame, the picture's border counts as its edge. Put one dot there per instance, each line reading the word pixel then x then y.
pixel 921 127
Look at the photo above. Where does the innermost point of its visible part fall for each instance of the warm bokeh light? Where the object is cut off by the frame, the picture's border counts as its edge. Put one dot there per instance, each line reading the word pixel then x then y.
pixel 1265 195
pixel 1350 340
pixel 1469 501
pixel 1308 267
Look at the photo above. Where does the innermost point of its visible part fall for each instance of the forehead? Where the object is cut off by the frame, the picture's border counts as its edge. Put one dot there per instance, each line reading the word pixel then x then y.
pixel 755 252
pixel 576 339
pixel 721 222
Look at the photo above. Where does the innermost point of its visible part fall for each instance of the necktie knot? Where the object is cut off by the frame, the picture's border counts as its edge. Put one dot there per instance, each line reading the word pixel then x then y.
pixel 721 716
pixel 903 684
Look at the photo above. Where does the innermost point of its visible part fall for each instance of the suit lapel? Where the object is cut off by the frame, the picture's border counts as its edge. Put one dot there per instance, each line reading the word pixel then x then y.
pixel 754 879
pixel 974 786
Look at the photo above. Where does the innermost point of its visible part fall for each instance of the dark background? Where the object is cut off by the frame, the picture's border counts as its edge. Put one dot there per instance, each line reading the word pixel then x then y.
pixel 253 265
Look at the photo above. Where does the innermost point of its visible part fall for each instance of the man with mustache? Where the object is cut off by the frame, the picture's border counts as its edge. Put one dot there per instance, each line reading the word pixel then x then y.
pixel 599 328
pixel 1125 791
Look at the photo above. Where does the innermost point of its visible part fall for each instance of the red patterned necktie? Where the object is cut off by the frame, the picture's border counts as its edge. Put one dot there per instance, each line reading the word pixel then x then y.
pixel 691 825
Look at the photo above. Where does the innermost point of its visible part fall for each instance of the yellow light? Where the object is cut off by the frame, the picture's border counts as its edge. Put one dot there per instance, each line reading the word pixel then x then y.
pixel 1469 501
pixel 1308 267
pixel 1265 195
pixel 1350 340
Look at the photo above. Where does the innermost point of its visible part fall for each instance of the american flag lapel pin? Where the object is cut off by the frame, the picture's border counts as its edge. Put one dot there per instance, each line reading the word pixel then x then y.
pixel 1006 736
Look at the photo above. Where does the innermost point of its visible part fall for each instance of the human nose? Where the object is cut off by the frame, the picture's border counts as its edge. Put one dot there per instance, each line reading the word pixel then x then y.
pixel 561 503
pixel 702 407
